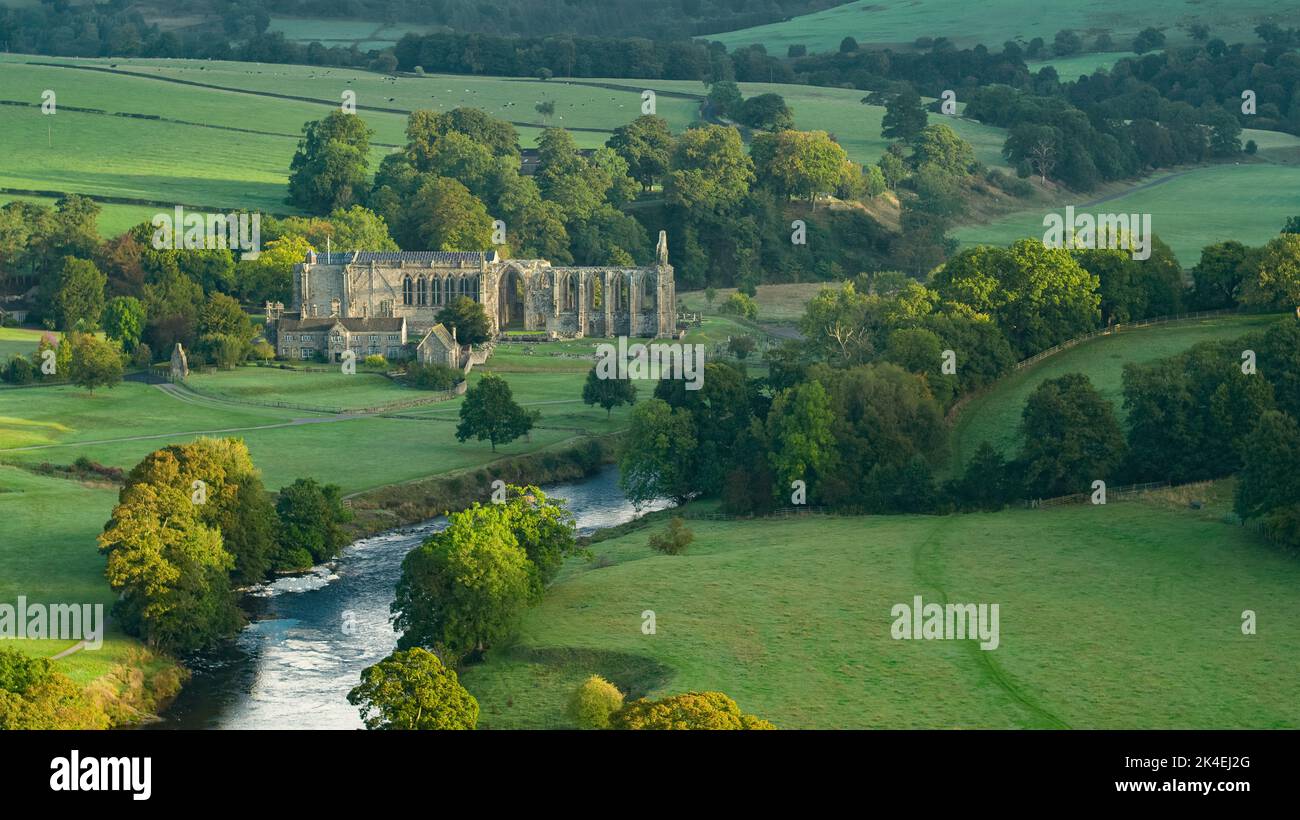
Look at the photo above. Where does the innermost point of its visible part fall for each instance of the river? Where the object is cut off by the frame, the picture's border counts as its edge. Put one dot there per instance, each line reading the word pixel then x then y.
pixel 312 634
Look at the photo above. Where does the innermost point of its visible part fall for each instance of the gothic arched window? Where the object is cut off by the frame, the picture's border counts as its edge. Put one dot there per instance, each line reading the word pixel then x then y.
pixel 423 293
pixel 407 297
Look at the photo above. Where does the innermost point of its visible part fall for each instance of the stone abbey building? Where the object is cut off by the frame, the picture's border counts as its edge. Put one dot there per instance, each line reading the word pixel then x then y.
pixel 527 295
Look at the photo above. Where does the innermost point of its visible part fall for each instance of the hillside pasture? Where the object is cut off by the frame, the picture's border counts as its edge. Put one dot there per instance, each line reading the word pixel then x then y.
pixel 994 415
pixel 898 23
pixel 1123 616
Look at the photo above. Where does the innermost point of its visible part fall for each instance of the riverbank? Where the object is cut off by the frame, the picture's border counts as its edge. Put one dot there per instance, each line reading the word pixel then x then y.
pixel 399 505
pixel 312 635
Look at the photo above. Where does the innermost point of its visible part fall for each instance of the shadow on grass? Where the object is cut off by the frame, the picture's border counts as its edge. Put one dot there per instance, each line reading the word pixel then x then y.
pixel 636 676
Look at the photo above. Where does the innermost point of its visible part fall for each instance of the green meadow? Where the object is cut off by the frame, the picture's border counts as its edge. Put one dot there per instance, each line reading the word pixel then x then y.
pixel 56 559
pixel 1123 616
pixel 992 22
pixel 364 34
pixel 841 112
pixel 1189 209
pixel 994 416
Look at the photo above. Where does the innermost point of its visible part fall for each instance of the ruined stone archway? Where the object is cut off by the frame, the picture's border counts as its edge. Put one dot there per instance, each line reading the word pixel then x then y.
pixel 510 301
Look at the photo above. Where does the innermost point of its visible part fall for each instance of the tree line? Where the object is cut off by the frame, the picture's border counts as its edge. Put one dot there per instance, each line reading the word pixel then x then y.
pixel 855 409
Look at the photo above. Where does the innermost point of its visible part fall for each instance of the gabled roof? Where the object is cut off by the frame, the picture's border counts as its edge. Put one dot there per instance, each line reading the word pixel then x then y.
pixel 353 324
pixel 440 332
pixel 413 257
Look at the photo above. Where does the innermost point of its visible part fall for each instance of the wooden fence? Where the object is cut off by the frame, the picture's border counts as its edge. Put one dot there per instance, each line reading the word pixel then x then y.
pixel 1112 494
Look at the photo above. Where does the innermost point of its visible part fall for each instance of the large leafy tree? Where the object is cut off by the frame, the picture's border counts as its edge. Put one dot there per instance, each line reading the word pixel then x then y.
pixel 270 275
pixel 659 453
pixel 169 569
pixel 1277 273
pixel 95 362
pixel 799 163
pixel 464 588
pixel 940 146
pixel 766 112
pixel 443 215
pixel 608 393
pixel 904 116
pixel 567 178
pixel 412 689
pixel 123 320
pixel 799 434
pixel 710 170
pixel 231 498
pixel 543 528
pixel 331 167
pixel 77 300
pixel 1218 276
pixel 841 324
pixel 1070 437
pixel 646 144
pixel 1268 487
pixel 490 413
pixel 468 319
pixel 311 517
pixel 1038 295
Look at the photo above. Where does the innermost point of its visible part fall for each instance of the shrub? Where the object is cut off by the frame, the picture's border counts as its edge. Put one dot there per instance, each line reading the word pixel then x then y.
pixel 432 376
pixel 19 371
pixel 376 361
pixel 142 356
pixel 738 304
pixel 594 702
pixel 263 352
pixel 741 346
pixel 693 710
pixel 674 540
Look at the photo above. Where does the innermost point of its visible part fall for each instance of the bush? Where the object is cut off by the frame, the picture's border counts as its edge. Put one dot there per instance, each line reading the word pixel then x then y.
pixel 433 376
pixel 376 361
pixel 738 304
pixel 693 710
pixel 594 702
pixel 741 346
pixel 674 540
pixel 263 352
pixel 142 356
pixel 18 371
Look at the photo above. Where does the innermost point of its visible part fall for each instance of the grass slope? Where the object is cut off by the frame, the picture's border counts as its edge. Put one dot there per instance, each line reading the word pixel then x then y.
pixel 994 416
pixel 49 555
pixel 1120 616
pixel 993 22
pixel 1189 209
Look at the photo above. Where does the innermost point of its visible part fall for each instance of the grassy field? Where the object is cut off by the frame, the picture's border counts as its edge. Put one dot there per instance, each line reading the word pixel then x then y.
pixel 1114 617
pixel 1189 209
pixel 364 34
pixel 856 126
pixel 229 145
pixel 55 560
pixel 18 340
pixel 994 416
pixel 1071 68
pixel 900 22
pixel 780 304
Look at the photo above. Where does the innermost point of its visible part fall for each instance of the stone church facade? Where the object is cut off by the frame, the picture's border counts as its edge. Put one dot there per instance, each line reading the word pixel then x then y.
pixel 527 295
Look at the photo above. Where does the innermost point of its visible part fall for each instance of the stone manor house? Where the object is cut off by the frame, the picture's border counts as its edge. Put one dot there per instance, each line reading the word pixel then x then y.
pixel 373 302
